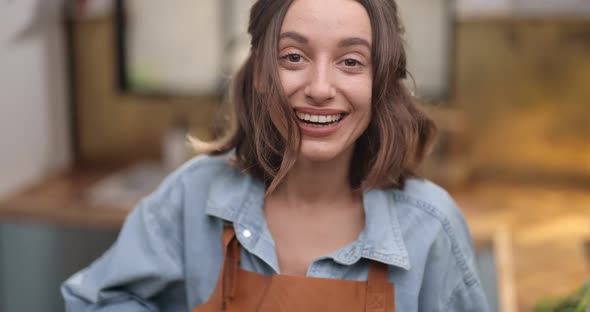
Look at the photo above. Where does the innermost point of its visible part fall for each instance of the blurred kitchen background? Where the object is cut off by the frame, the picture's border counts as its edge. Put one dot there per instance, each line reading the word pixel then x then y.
pixel 97 96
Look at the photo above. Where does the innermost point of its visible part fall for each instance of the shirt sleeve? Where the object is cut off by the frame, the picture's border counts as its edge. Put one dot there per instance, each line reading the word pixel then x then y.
pixel 462 291
pixel 142 268
pixel 467 294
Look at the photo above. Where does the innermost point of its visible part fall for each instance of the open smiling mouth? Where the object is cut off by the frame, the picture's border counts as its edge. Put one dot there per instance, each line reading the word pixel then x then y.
pixel 320 120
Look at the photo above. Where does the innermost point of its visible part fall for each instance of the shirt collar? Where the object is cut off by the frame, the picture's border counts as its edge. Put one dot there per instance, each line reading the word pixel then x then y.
pixel 382 239
pixel 239 199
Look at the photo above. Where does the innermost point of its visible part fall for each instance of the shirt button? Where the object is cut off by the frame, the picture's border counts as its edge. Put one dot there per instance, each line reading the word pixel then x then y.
pixel 247 233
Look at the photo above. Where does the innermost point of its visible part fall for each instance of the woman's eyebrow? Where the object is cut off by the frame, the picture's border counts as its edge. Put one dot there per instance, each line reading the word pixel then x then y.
pixel 293 35
pixel 347 42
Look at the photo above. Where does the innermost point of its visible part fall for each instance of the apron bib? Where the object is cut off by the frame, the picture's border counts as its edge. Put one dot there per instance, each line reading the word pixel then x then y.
pixel 239 290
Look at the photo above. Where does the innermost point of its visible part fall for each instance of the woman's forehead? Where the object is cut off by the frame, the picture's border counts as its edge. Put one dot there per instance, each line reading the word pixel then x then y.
pixel 328 18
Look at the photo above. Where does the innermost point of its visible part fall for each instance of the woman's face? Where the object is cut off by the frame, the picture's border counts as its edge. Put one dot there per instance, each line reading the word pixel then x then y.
pixel 326 72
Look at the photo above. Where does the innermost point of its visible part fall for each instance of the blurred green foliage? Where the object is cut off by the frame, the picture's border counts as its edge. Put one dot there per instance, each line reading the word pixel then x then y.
pixel 576 302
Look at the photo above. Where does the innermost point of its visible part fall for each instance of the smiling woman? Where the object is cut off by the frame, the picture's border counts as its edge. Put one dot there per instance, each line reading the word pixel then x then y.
pixel 339 72
pixel 315 204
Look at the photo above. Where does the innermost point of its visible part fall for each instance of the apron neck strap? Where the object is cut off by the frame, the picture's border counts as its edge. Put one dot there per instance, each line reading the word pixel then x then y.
pixel 377 291
pixel 377 272
pixel 231 263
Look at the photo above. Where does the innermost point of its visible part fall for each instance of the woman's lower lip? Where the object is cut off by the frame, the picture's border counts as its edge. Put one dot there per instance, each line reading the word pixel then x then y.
pixel 318 132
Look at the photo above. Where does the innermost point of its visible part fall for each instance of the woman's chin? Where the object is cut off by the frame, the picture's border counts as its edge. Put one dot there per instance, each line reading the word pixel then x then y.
pixel 319 152
pixel 315 158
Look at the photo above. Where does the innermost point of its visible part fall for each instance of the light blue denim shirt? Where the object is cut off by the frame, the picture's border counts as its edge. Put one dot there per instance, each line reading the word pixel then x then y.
pixel 168 255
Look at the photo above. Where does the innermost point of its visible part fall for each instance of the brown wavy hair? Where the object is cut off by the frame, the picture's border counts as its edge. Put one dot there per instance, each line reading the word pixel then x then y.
pixel 266 136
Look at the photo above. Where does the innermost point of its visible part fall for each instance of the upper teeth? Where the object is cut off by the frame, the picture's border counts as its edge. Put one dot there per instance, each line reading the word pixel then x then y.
pixel 319 118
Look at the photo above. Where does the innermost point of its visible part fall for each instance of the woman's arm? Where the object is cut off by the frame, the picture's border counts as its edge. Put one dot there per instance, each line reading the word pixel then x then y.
pixel 467 297
pixel 142 271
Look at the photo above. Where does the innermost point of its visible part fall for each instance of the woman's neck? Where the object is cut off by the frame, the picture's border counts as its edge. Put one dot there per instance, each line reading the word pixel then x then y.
pixel 312 213
pixel 311 185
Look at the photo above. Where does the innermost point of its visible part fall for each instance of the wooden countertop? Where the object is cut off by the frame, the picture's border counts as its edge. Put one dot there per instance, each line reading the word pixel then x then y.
pixel 60 199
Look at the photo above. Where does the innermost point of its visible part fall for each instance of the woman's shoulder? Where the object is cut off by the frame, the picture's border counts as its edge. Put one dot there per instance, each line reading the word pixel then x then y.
pixel 201 169
pixel 204 166
pixel 197 176
pixel 437 236
pixel 423 199
pixel 428 213
pixel 429 197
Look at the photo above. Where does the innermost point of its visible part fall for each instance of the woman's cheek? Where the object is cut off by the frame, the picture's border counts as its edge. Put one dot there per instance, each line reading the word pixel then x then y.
pixel 360 90
pixel 291 80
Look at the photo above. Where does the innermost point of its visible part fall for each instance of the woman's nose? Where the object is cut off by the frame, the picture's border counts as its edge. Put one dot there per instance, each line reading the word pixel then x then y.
pixel 320 87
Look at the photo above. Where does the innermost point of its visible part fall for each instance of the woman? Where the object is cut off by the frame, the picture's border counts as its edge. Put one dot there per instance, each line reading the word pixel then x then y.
pixel 319 208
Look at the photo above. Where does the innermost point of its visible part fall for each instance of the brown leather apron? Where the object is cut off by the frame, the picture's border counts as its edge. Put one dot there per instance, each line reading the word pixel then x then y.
pixel 243 291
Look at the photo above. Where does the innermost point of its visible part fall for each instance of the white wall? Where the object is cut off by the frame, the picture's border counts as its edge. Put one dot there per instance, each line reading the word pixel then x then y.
pixel 34 135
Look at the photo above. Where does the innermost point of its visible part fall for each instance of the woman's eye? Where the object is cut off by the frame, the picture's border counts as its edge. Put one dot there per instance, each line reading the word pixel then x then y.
pixel 293 57
pixel 351 62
